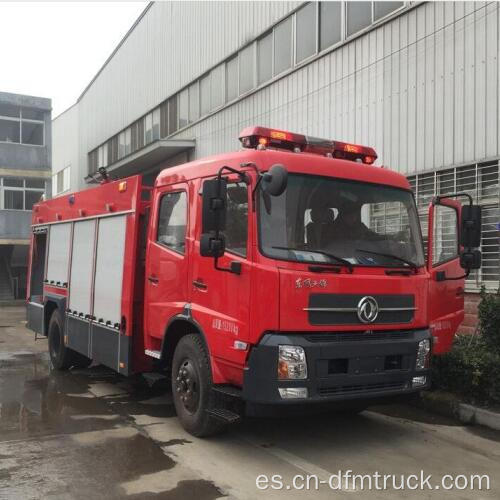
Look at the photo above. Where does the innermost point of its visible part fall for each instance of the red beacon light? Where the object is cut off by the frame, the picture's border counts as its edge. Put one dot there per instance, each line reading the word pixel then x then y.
pixel 262 137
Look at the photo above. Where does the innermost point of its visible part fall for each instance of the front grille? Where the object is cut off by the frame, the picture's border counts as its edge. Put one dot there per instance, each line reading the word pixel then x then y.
pixel 366 336
pixel 363 388
pixel 342 308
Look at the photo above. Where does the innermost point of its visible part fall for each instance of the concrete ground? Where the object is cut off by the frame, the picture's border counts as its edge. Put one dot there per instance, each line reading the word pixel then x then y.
pixel 92 434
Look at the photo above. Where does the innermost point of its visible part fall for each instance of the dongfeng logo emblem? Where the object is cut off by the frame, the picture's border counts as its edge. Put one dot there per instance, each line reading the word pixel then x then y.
pixel 367 310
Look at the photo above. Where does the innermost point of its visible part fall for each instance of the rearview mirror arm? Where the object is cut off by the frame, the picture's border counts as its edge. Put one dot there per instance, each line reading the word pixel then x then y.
pixel 437 199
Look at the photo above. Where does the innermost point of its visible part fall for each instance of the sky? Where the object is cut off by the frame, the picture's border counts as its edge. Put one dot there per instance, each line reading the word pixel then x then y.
pixel 54 49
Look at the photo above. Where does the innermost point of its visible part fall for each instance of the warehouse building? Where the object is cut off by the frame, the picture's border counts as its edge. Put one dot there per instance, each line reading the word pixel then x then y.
pixel 25 173
pixel 418 81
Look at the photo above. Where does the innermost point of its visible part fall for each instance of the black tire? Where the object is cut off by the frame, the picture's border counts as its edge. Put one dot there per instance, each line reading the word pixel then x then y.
pixel 191 387
pixel 62 357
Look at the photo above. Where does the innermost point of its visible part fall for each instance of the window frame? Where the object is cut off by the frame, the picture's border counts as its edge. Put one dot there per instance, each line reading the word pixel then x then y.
pixel 20 120
pixel 21 189
pixel 247 250
pixel 157 221
pixel 295 31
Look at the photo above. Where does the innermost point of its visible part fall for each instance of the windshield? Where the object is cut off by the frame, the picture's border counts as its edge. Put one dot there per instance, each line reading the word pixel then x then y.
pixel 327 220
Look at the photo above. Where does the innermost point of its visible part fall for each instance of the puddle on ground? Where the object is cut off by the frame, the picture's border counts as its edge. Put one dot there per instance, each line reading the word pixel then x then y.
pixel 35 400
pixel 198 488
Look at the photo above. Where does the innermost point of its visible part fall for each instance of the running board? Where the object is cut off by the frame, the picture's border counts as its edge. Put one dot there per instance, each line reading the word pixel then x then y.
pixel 153 354
pixel 226 416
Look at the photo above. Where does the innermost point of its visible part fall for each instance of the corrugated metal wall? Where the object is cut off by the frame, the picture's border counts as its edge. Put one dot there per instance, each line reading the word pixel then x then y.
pixel 174 43
pixel 423 89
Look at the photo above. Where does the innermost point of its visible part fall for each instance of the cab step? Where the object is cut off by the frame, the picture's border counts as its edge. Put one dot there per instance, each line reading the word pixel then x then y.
pixel 228 391
pixel 226 416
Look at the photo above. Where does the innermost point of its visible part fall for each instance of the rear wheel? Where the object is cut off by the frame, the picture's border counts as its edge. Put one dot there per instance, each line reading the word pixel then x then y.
pixel 191 387
pixel 62 357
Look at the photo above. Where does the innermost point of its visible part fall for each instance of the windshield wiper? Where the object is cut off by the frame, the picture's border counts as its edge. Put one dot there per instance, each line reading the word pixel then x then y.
pixel 390 256
pixel 340 260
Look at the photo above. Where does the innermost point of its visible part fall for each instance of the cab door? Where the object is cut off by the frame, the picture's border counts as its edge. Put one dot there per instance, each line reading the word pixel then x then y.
pixel 446 286
pixel 220 298
pixel 167 262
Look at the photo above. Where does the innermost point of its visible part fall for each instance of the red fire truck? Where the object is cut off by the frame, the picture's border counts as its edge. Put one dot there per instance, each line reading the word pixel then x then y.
pixel 289 273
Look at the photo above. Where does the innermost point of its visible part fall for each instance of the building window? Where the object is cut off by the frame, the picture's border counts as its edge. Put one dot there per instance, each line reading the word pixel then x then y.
pixel 148 128
pixel 330 24
pixel 60 181
pixel 381 9
pixel 194 102
pixel 217 87
pixel 172 221
pixel 265 58
pixel 121 144
pixel 21 125
pixel 232 79
pixel 305 38
pixel 156 124
pixel 183 108
pixel 20 194
pixel 172 115
pixel 102 156
pixel 482 182
pixel 283 46
pixel 10 131
pixel 205 95
pixel 247 64
pixel 32 133
pixel 358 16
pixel 164 119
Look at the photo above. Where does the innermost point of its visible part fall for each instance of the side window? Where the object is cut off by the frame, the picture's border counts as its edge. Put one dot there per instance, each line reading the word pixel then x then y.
pixel 445 234
pixel 172 221
pixel 236 231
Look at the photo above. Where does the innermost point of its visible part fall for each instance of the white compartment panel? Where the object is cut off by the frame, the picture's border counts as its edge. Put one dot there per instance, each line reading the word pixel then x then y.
pixel 57 266
pixel 82 266
pixel 109 268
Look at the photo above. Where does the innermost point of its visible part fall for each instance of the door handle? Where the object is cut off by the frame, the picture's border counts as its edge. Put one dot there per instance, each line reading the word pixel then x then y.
pixel 153 279
pixel 199 284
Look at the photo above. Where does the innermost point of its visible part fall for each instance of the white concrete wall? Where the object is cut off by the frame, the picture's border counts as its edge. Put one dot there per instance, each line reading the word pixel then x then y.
pixel 66 147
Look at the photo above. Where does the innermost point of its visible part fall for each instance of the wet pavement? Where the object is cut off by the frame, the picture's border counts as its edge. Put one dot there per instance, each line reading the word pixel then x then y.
pixel 94 434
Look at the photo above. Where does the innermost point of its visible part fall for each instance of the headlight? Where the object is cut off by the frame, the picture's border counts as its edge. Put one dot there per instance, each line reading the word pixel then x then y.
pixel 423 354
pixel 292 364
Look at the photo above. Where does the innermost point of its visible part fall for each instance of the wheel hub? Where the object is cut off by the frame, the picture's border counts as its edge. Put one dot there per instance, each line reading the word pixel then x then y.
pixel 186 385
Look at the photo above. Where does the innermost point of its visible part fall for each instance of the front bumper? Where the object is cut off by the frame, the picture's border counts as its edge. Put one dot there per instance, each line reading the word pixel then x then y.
pixel 341 366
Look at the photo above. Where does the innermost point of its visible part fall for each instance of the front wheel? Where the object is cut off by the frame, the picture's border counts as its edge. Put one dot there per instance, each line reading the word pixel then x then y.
pixel 191 387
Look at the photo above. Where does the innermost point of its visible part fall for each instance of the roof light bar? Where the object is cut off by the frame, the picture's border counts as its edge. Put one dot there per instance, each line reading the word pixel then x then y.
pixel 262 137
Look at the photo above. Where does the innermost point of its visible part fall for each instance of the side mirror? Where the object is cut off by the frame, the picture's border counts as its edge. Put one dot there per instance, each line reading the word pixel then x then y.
pixel 214 205
pixel 212 246
pixel 470 231
pixel 275 181
pixel 213 218
pixel 470 259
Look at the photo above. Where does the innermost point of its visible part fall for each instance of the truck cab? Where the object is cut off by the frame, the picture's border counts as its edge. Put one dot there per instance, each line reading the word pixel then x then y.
pixel 300 268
